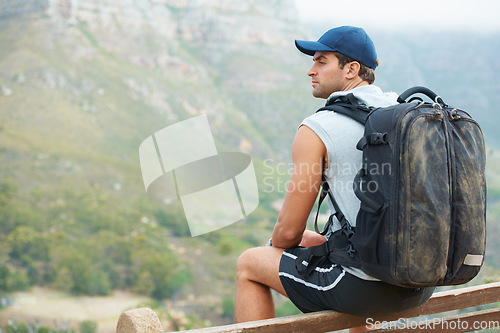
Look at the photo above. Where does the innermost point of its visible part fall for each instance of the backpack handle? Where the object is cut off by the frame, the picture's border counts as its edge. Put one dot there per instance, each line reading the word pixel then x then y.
pixel 420 90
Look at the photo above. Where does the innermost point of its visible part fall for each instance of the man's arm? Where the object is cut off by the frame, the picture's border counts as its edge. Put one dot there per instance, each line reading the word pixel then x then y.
pixel 309 156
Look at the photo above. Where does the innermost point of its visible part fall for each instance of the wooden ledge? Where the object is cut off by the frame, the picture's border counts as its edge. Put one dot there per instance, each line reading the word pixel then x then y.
pixel 327 321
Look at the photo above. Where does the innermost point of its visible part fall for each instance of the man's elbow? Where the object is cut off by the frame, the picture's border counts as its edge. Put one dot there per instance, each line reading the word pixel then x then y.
pixel 287 237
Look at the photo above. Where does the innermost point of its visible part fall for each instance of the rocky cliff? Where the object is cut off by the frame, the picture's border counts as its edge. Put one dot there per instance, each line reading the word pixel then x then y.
pixel 196 20
pixel 163 45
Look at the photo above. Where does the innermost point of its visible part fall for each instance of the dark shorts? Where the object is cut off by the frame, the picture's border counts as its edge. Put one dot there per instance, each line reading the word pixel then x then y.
pixel 330 287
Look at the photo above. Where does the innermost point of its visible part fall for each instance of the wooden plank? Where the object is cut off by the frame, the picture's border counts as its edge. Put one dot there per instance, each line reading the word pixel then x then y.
pixel 323 321
pixel 326 321
pixel 479 320
pixel 456 299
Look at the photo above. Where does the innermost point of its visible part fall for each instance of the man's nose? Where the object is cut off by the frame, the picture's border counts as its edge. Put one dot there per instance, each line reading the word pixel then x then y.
pixel 312 72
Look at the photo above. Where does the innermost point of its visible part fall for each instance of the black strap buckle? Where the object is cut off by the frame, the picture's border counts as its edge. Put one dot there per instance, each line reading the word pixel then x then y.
pixel 346 227
pixel 378 138
pixel 347 230
pixel 350 250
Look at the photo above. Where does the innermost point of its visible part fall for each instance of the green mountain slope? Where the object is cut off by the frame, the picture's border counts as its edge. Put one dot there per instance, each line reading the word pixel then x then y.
pixel 79 95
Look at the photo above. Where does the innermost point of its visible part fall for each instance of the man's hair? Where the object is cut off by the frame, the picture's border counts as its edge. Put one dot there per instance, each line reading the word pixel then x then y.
pixel 366 73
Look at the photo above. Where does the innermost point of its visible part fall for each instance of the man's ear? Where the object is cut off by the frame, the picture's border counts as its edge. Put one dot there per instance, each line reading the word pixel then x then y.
pixel 352 69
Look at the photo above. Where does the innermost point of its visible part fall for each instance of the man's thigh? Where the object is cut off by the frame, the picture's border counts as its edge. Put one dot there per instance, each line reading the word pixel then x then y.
pixel 261 264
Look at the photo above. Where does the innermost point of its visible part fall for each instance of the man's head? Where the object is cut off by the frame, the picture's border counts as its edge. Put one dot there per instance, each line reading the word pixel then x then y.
pixel 354 52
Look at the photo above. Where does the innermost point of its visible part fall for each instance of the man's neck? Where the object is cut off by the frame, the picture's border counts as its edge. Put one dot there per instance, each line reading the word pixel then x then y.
pixel 358 82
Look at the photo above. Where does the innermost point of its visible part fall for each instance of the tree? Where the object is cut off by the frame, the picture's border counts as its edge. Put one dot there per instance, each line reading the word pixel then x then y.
pixel 25 241
pixel 63 280
pixel 161 267
pixel 18 280
pixel 98 283
pixel 4 274
pixel 144 284
pixel 70 261
pixel 7 212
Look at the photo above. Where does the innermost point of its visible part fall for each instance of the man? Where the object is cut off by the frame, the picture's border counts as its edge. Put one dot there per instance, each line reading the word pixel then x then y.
pixel 344 60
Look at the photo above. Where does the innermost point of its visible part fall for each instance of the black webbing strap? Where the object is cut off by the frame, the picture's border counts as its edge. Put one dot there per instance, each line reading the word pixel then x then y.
pixel 310 258
pixel 325 190
pixel 372 139
pixel 322 196
pixel 338 248
pixel 355 113
pixel 349 106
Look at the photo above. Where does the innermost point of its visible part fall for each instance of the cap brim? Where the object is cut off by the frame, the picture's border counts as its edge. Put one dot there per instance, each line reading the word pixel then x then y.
pixel 311 47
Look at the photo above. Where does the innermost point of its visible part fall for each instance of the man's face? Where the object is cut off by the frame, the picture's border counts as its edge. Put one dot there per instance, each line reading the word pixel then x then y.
pixel 326 75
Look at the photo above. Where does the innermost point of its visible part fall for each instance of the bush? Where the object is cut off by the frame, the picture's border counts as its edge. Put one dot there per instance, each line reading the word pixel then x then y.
pixel 26 242
pixel 88 326
pixel 95 245
pixel 16 328
pixel 4 274
pixel 228 307
pixel 98 284
pixel 172 219
pixel 18 281
pixel 63 280
pixel 144 284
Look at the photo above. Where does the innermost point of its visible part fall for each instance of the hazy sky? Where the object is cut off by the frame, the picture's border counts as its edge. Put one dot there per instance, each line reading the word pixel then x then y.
pixel 482 15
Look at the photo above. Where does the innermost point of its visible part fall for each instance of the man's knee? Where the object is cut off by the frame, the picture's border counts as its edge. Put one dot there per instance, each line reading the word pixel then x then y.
pixel 260 265
pixel 246 263
pixel 257 262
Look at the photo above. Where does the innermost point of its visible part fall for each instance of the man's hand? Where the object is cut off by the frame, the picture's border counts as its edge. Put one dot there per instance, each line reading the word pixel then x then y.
pixel 311 238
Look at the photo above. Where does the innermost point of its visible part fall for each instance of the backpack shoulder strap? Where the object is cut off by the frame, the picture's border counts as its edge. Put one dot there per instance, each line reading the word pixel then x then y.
pixel 344 223
pixel 349 106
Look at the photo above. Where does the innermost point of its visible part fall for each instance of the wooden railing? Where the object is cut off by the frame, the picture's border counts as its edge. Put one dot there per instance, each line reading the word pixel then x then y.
pixel 144 320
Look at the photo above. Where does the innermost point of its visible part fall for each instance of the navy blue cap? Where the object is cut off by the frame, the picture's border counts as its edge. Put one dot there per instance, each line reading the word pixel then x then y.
pixel 350 41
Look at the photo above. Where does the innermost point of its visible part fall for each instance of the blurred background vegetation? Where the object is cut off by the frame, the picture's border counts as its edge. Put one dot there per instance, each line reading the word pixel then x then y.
pixel 82 85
